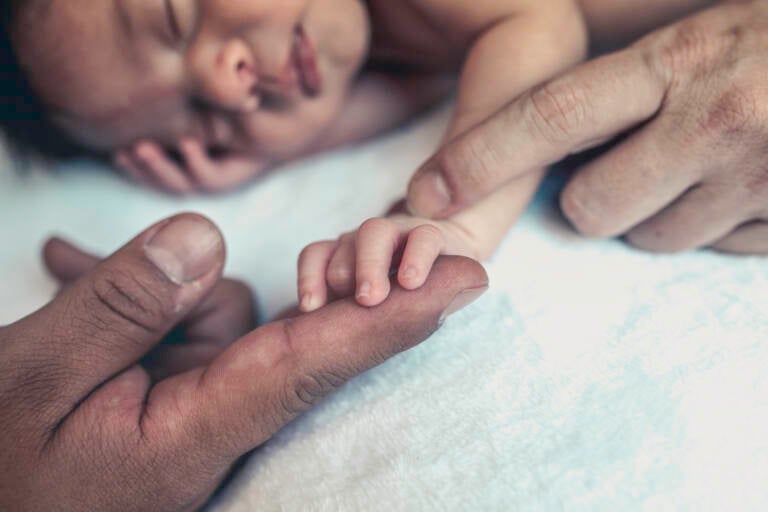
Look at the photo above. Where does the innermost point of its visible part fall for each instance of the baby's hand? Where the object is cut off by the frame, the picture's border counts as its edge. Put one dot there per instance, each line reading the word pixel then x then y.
pixel 149 164
pixel 361 263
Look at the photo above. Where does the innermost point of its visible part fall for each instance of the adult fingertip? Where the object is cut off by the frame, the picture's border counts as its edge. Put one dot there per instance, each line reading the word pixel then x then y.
pixel 50 252
pixel 52 245
pixel 579 213
pixel 428 193
pixel 468 276
pixel 457 273
pixel 186 248
pixel 462 300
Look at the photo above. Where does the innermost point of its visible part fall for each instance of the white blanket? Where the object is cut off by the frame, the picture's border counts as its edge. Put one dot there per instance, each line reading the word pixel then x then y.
pixel 591 377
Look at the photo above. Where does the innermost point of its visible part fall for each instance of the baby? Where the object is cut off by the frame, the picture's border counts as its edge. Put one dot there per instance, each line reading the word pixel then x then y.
pixel 207 94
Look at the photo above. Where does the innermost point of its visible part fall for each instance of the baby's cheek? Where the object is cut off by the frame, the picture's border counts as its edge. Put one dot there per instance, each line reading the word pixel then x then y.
pixel 284 135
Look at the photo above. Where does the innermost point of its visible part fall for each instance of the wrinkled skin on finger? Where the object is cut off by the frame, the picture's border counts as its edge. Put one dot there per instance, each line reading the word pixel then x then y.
pixel 689 106
pixel 85 431
pixel 225 315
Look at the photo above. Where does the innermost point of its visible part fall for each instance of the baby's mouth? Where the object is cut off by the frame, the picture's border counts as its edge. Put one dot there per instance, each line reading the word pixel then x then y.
pixel 304 57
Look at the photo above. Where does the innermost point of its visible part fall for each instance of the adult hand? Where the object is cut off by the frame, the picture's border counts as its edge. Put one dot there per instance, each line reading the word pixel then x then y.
pixel 222 317
pixel 86 427
pixel 692 171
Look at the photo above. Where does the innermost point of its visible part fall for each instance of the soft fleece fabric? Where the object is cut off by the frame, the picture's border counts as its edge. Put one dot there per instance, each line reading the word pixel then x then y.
pixel 591 377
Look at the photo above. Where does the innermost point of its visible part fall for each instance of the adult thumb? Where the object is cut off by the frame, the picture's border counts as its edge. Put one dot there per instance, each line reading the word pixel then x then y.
pixel 113 315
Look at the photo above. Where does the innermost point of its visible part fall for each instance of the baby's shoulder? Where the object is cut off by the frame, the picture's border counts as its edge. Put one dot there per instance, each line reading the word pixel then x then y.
pixel 430 33
pixel 460 17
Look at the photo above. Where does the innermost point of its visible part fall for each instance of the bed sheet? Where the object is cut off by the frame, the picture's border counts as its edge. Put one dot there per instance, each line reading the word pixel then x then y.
pixel 590 377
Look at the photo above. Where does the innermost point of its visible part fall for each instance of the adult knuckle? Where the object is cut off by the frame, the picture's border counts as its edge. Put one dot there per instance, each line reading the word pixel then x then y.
pixel 582 216
pixel 473 162
pixel 126 297
pixel 558 110
pixel 691 47
pixel 301 387
pixel 305 389
pixel 734 114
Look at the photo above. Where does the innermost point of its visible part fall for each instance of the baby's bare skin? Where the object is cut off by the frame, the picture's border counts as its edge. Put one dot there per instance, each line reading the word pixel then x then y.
pixel 504 48
pixel 531 42
pixel 269 81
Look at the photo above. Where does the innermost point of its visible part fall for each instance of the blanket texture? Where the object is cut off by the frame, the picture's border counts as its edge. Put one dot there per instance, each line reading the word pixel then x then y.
pixel 591 376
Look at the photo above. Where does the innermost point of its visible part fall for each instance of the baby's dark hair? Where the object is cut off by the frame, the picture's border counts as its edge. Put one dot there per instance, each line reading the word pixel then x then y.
pixel 23 117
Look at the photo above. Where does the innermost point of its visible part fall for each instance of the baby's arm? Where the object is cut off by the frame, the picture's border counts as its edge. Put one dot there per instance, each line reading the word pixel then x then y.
pixel 381 102
pixel 541 40
pixel 377 103
pixel 517 52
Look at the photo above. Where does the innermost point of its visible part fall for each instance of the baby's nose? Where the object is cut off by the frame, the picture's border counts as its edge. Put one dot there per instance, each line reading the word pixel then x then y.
pixel 230 81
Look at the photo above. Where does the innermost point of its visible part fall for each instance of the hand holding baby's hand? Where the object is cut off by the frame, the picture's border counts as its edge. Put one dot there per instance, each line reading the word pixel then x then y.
pixel 149 164
pixel 362 262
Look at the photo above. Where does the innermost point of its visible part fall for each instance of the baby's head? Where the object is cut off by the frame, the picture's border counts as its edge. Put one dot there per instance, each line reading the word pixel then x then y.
pixel 247 77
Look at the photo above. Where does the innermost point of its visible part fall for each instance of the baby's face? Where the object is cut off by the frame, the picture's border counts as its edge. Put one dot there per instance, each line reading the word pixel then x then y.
pixel 249 77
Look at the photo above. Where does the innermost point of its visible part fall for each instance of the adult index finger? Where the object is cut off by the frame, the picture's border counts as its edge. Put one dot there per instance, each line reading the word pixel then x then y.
pixel 579 110
pixel 279 371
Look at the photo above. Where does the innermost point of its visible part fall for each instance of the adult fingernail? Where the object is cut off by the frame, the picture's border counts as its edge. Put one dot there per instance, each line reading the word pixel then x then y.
pixel 186 249
pixel 463 300
pixel 429 194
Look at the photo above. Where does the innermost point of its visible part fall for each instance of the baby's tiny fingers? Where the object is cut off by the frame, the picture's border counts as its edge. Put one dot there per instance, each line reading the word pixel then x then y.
pixel 217 174
pixel 425 244
pixel 313 266
pixel 164 170
pixel 341 271
pixel 134 169
pixel 376 243
pixel 199 163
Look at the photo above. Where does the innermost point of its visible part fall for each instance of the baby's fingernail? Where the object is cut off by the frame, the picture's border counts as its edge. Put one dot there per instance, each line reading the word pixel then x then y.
pixel 463 300
pixel 364 291
pixel 308 303
pixel 429 195
pixel 410 272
